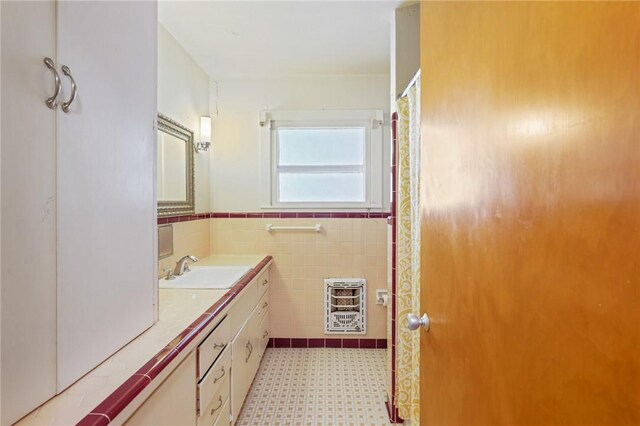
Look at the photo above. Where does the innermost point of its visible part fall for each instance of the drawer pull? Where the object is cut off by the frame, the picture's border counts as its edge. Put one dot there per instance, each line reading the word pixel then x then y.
pixel 264 305
pixel 249 347
pixel 213 410
pixel 221 376
pixel 265 282
pixel 218 345
pixel 266 333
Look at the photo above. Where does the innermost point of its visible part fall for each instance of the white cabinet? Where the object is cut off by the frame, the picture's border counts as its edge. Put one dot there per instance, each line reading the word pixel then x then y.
pixel 173 403
pixel 78 205
pixel 241 353
pixel 214 390
pixel 223 368
pixel 249 345
pixel 107 259
pixel 28 209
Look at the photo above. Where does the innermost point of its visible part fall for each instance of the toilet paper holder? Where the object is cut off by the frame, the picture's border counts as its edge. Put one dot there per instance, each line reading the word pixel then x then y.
pixel 382 297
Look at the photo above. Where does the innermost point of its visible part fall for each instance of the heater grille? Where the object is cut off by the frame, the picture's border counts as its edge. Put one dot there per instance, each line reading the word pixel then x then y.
pixel 345 305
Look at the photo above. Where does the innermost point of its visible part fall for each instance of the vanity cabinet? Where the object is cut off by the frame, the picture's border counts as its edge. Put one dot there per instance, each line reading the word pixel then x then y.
pixel 173 402
pixel 211 385
pixel 249 345
pixel 78 204
pixel 214 372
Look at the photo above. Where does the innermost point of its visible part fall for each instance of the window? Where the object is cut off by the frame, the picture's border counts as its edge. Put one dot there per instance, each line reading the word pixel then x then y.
pixel 319 159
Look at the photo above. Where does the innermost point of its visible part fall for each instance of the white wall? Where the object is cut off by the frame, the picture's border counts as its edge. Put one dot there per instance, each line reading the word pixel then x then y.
pixel 405 48
pixel 183 95
pixel 235 158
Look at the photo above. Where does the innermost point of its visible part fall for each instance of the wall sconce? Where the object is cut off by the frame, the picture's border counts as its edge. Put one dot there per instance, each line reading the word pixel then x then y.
pixel 205 134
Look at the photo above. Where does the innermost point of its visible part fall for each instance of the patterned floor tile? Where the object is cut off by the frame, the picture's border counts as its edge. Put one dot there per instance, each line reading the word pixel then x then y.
pixel 318 387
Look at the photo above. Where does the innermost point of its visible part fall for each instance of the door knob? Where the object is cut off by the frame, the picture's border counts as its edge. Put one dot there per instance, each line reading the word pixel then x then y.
pixel 413 322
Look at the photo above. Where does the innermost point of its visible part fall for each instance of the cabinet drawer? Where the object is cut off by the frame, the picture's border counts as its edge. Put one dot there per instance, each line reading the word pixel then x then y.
pixel 263 282
pixel 218 413
pixel 224 418
pixel 216 382
pixel 263 305
pixel 212 346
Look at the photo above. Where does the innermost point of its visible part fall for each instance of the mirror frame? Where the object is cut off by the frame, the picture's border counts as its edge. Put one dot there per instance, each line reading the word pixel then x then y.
pixel 179 207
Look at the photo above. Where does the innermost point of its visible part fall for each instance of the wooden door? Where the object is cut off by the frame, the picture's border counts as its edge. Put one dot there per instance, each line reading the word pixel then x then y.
pixel 530 213
pixel 107 262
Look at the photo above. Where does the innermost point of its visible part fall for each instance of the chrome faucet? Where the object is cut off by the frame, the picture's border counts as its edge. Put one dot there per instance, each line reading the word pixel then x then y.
pixel 181 265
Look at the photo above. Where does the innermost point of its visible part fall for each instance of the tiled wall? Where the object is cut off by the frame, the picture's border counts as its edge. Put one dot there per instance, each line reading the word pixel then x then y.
pixel 347 248
pixel 188 238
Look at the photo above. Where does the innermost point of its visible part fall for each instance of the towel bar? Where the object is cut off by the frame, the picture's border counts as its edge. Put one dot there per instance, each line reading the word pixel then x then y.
pixel 316 228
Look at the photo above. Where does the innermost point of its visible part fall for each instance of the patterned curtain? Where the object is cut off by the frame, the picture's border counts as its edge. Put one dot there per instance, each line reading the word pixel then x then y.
pixel 408 260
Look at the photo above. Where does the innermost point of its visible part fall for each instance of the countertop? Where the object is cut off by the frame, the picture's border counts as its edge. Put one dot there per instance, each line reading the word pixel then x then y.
pixel 183 316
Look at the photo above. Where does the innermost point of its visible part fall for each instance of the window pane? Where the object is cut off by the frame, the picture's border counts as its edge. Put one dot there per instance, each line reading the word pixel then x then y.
pixel 321 187
pixel 321 146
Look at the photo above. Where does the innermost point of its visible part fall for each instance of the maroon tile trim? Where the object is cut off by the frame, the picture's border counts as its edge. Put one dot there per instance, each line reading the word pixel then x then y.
pixel 94 420
pixel 368 343
pixel 113 405
pixel 121 397
pixel 299 343
pixel 294 342
pixel 391 408
pixel 158 363
pixel 280 342
pixel 184 218
pixel 274 215
pixel 350 343
pixel 393 413
pixel 332 343
pixel 316 343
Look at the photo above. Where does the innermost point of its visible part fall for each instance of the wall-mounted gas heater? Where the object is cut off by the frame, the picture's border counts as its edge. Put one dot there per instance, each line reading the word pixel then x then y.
pixel 345 306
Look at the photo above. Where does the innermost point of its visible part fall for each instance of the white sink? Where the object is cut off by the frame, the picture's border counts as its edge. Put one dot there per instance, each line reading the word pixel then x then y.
pixel 207 277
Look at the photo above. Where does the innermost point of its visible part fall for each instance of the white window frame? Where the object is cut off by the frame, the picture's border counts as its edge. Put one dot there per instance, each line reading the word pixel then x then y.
pixel 271 121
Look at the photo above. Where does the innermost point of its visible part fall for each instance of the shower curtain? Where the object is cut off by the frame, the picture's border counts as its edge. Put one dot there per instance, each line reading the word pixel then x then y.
pixel 408 254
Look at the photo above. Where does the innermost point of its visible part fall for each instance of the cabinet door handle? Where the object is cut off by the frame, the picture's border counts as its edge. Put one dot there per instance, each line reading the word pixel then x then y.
pixel 213 410
pixel 265 282
pixel 220 376
pixel 265 304
pixel 249 347
pixel 266 333
pixel 52 102
pixel 66 106
pixel 218 345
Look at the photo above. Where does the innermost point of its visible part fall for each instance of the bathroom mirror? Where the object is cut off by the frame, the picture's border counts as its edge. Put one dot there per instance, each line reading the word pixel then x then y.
pixel 175 176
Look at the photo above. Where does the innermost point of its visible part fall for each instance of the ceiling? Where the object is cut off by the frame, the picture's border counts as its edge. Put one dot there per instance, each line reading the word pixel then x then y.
pixel 275 38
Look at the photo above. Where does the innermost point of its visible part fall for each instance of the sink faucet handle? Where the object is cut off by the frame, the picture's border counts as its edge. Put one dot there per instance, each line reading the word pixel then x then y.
pixel 169 274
